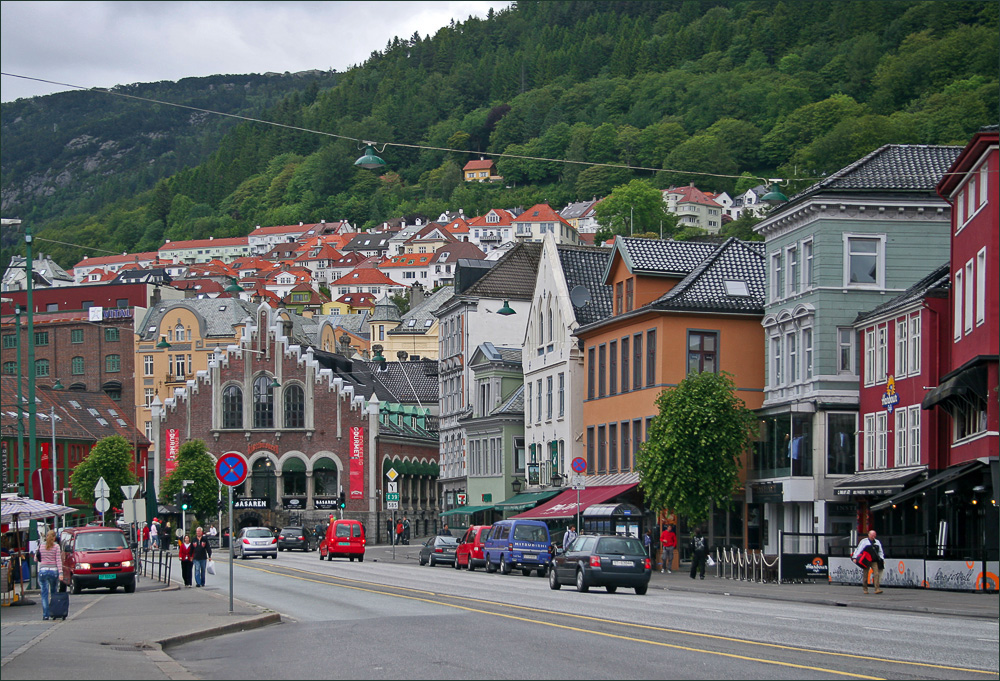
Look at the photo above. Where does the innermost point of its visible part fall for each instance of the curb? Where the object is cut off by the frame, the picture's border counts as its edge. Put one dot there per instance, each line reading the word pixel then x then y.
pixel 255 622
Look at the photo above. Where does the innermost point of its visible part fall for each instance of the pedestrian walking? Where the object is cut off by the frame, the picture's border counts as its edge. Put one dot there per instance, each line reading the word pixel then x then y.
pixel 145 536
pixel 647 543
pixel 668 542
pixel 399 532
pixel 201 553
pixel 870 557
pixel 445 532
pixel 406 530
pixel 186 554
pixel 569 537
pixel 154 534
pixel 50 561
pixel 699 553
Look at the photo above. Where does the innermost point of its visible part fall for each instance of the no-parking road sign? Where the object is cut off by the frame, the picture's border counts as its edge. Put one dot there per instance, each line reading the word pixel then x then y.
pixel 231 469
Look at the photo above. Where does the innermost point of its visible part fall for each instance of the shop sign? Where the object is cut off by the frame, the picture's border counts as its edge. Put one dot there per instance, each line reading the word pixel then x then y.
pixel 325 502
pixel 767 492
pixel 252 502
pixel 293 503
pixel 805 566
pixel 890 398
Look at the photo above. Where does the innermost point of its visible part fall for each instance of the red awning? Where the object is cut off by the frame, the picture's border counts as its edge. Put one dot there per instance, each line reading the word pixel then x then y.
pixel 565 505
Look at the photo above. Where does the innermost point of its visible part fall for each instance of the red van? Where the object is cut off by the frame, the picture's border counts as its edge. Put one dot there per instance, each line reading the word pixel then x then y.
pixel 344 538
pixel 95 557
pixel 470 550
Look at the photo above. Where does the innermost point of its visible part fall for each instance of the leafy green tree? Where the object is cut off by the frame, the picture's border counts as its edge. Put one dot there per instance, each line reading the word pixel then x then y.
pixel 194 463
pixel 692 454
pixel 111 459
pixel 637 202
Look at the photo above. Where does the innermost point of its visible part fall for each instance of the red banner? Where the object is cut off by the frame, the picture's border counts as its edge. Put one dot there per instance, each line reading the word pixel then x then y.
pixel 357 456
pixel 173 446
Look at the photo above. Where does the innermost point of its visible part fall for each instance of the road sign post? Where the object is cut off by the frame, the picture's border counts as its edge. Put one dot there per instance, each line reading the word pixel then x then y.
pixel 579 466
pixel 101 503
pixel 391 499
pixel 231 470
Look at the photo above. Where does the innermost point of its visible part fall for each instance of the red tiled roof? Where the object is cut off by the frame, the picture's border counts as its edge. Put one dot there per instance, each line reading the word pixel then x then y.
pixel 363 276
pixel 484 164
pixel 408 260
pixel 282 229
pixel 506 219
pixel 115 259
pixel 205 243
pixel 541 212
pixel 357 299
pixel 692 195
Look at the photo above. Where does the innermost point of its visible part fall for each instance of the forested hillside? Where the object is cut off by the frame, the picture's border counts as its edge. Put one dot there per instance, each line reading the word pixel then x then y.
pixel 702 91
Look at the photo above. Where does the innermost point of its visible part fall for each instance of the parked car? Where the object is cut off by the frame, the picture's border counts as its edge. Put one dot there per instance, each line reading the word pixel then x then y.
pixel 344 538
pixel 256 541
pixel 301 538
pixel 95 556
pixel 520 544
pixel 602 560
pixel 469 553
pixel 439 549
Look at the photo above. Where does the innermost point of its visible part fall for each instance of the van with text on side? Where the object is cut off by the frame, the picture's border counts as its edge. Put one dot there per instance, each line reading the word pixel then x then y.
pixel 345 539
pixel 522 544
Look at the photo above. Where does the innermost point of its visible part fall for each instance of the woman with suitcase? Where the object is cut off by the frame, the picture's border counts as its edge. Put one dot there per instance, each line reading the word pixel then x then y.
pixel 49 564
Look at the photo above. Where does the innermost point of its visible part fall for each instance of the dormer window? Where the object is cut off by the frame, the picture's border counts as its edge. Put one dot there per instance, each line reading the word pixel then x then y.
pixel 736 287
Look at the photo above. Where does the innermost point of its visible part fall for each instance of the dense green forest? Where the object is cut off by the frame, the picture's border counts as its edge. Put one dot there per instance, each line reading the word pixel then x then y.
pixel 668 92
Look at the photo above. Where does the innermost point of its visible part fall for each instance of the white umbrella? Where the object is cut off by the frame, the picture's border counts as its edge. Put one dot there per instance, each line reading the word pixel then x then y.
pixel 24 508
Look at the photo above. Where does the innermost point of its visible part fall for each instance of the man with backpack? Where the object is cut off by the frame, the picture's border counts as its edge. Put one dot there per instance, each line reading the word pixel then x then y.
pixel 699 553
pixel 870 557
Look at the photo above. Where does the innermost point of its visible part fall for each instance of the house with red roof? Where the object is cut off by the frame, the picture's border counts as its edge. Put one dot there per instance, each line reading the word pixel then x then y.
pixel 542 219
pixel 303 298
pixel 320 260
pixel 353 303
pixel 366 280
pixel 409 268
pixel 281 282
pixel 492 229
pixel 694 208
pixel 204 250
pixel 482 170
pixel 111 263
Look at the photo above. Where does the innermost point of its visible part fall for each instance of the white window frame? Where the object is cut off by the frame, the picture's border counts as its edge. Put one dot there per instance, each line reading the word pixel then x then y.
pixel 776 378
pixel 959 211
pixel 879 260
pixel 870 356
pixel 807 353
pixel 913 361
pixel 793 275
pixel 970 292
pixel 882 353
pixel 776 280
pixel 913 440
pixel 902 347
pixel 959 296
pixel 983 177
pixel 792 356
pixel 981 286
pixel 807 265
pixel 852 336
pixel 900 432
pixel 882 440
pixel 869 441
pixel 147 365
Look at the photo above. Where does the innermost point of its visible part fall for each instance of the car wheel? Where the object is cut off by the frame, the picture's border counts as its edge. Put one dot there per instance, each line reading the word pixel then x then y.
pixel 581 581
pixel 504 568
pixel 130 587
pixel 641 590
pixel 351 558
pixel 275 555
pixel 361 558
pixel 321 556
pixel 329 556
pixel 611 588
pixel 490 567
pixel 526 572
pixel 470 567
pixel 422 562
pixel 76 588
pixel 243 556
pixel 455 564
pixel 554 580
pixel 433 562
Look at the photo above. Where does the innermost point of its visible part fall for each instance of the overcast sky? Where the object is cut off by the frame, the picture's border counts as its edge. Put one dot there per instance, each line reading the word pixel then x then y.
pixel 102 44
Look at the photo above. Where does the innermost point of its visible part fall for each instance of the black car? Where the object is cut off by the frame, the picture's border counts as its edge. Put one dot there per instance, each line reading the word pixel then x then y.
pixel 440 549
pixel 301 538
pixel 602 560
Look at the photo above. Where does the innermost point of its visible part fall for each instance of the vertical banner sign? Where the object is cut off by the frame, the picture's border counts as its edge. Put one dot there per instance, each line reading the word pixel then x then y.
pixel 357 463
pixel 173 446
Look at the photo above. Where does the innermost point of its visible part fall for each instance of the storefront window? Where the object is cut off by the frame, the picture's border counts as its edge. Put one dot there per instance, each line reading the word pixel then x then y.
pixel 841 453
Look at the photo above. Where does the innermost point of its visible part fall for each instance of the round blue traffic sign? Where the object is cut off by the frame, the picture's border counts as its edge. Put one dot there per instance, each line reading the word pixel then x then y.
pixel 579 464
pixel 231 469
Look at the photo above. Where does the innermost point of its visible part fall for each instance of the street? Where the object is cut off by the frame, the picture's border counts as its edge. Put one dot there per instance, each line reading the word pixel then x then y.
pixel 381 619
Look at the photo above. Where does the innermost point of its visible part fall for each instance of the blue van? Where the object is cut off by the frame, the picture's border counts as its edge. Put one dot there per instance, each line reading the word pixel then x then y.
pixel 514 543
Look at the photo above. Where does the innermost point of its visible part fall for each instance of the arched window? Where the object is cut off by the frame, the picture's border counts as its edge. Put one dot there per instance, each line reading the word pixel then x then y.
pixel 77 366
pixel 179 332
pixel 263 402
pixel 295 407
pixel 10 367
pixel 232 407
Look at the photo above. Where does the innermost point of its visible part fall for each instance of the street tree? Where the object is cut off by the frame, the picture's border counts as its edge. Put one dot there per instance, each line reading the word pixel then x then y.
pixel 692 455
pixel 194 463
pixel 111 459
pixel 637 202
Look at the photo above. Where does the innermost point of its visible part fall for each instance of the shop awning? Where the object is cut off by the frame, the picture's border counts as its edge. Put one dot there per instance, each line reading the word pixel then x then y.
pixel 525 500
pixel 880 483
pixel 565 505
pixel 969 383
pixel 466 510
pixel 947 475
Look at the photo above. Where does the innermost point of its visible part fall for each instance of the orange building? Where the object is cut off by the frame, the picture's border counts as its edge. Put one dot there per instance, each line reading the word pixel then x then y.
pixel 678 307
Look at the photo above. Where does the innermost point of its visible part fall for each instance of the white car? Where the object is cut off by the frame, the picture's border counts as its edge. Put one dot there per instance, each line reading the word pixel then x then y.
pixel 256 541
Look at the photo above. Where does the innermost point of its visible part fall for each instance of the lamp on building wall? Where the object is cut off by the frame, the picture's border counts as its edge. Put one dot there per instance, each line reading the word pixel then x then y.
pixel 557 479
pixel 515 485
pixel 774 196
pixel 234 287
pixel 58 385
pixel 275 383
pixel 506 310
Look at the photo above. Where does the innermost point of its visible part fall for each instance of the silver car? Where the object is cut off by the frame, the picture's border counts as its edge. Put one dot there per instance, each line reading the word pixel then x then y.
pixel 256 541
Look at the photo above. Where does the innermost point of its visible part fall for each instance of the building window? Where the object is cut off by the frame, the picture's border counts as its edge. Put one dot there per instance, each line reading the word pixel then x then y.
pixel 295 407
pixel 77 366
pixel 111 334
pixel 619 297
pixel 602 449
pixel 913 419
pixel 777 281
pixel 147 365
pixel 149 430
pixel 807 354
pixel 10 368
pixel 562 394
pixel 882 354
pixel 41 338
pixel 881 440
pixel 902 347
pixel 807 265
pixel 263 402
pixel 626 455
pixel 863 261
pixel 702 354
pixel 969 416
pixel 602 373
pixel 180 367
pixel 10 341
pixel 958 296
pixel 637 361
pixel 776 377
pixel 629 294
pixel 840 456
pixel 613 448
pixel 591 451
pixel 625 365
pixel 792 343
pixel 870 433
pixel 613 368
pixel 900 433
pixel 76 336
pixel 148 396
pixel 591 377
pixel 42 367
pixel 112 363
pixel 792 260
pixel 528 401
pixel 650 358
pixel 981 286
pixel 845 351
pixel 914 345
pixel 548 397
pixel 538 400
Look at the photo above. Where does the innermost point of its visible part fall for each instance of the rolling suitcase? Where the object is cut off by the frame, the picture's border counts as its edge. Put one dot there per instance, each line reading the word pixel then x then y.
pixel 58 605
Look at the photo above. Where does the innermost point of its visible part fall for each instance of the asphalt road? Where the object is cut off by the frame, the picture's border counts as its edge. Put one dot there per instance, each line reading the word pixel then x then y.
pixel 381 619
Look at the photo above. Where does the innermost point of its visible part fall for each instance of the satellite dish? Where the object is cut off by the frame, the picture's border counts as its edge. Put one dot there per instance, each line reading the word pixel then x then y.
pixel 579 296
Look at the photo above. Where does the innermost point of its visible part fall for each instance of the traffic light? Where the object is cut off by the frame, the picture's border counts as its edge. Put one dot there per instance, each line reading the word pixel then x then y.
pixel 223 505
pixel 179 500
pixel 342 501
pixel 185 501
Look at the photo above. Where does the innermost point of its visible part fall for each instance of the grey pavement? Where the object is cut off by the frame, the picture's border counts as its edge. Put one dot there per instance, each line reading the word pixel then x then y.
pixel 134 642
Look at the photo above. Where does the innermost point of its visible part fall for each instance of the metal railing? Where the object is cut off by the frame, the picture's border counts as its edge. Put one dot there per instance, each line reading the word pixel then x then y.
pixel 746 566
pixel 154 563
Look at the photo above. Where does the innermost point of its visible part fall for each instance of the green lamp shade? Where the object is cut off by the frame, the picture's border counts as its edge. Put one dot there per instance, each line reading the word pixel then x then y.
pixel 163 344
pixel 506 310
pixel 58 385
pixel 774 195
pixel 275 384
pixel 370 160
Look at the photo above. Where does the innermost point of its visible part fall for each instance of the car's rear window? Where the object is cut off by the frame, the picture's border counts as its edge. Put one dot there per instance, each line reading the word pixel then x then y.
pixel 625 546
pixel 100 541
pixel 451 541
pixel 257 534
pixel 343 530
pixel 291 532
pixel 529 533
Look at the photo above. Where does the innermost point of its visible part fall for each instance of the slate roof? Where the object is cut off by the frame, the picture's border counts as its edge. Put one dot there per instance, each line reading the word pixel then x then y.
pixel 704 289
pixel 935 284
pixel 405 382
pixel 661 257
pixel 512 276
pixel 220 315
pixel 577 210
pixel 512 405
pixel 423 313
pixel 367 241
pixel 584 266
pixel 385 311
pixel 893 167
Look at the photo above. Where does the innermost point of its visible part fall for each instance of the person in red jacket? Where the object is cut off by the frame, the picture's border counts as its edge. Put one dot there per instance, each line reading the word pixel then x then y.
pixel 186 553
pixel 668 542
